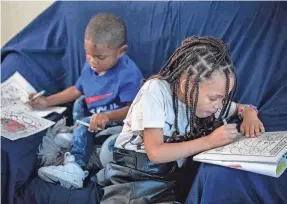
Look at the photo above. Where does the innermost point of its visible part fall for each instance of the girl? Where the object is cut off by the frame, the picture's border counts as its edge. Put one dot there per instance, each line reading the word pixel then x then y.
pixel 176 114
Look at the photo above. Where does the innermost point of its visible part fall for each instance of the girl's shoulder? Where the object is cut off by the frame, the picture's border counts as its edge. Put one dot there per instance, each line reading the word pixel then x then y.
pixel 156 85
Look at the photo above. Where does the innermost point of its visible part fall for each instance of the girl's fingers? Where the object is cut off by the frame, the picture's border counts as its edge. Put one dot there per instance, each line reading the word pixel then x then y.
pixel 262 128
pixel 242 129
pixel 247 131
pixel 252 131
pixel 257 130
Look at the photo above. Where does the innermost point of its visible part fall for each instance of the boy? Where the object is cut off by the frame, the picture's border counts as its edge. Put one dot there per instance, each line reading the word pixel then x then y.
pixel 109 82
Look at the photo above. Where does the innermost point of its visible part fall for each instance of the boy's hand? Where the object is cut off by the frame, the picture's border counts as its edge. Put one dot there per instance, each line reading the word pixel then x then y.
pixel 40 102
pixel 98 121
pixel 251 125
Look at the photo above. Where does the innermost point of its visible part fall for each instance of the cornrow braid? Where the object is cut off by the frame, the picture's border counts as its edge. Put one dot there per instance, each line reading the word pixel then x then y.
pixel 175 108
pixel 199 57
pixel 187 111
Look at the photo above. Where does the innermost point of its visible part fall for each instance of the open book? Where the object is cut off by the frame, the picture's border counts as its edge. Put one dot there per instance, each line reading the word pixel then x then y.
pixel 15 92
pixel 265 154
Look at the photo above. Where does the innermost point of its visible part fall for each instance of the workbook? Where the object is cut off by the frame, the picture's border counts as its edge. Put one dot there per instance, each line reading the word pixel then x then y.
pixel 265 154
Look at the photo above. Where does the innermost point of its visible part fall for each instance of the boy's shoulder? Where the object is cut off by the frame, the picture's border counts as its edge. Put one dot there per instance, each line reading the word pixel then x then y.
pixel 126 66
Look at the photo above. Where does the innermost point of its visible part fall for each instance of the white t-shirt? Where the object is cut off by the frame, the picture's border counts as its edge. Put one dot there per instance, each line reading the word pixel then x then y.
pixel 153 108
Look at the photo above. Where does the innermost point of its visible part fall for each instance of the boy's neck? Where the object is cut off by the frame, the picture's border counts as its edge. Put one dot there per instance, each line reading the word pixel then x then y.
pixel 100 73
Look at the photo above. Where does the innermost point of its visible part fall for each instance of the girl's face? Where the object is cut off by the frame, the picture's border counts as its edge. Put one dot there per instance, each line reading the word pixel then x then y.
pixel 211 94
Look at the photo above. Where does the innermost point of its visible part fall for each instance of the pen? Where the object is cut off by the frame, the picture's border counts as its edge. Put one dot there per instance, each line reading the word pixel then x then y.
pixel 36 95
pixel 41 93
pixel 85 124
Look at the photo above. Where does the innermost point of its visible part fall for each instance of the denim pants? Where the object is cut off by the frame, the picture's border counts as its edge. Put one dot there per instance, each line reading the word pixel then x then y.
pixel 82 142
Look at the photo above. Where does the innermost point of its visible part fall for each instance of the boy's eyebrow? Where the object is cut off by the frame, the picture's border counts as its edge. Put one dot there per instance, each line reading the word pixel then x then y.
pixel 100 55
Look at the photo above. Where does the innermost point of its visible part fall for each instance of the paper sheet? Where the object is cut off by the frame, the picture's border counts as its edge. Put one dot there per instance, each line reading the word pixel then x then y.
pixel 16 124
pixel 15 92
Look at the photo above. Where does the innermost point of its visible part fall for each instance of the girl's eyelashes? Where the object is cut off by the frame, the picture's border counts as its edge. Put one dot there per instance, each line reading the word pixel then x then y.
pixel 212 99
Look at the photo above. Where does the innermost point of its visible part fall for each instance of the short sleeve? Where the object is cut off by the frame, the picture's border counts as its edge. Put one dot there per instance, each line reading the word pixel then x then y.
pixel 79 82
pixel 79 86
pixel 130 87
pixel 154 115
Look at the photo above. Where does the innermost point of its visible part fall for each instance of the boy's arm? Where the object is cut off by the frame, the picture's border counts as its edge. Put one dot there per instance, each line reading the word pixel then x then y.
pixel 68 95
pixel 118 115
pixel 42 102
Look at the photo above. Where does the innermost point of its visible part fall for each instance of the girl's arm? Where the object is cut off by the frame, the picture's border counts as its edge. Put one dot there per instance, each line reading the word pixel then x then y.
pixel 160 152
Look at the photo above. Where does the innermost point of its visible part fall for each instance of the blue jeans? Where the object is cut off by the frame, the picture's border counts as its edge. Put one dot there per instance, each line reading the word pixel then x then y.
pixel 82 142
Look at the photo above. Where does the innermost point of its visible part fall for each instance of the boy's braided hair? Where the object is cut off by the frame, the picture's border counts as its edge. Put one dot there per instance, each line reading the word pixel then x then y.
pixel 199 57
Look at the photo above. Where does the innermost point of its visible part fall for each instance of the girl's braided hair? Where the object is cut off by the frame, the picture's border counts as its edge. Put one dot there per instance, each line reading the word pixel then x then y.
pixel 199 57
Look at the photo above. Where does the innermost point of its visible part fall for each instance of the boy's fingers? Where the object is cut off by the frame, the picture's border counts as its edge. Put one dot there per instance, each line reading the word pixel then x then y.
pixel 103 124
pixel 31 104
pixel 31 96
pixel 92 125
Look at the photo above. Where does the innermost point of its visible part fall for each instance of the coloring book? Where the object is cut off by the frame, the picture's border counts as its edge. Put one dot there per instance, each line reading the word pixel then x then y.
pixel 18 120
pixel 15 92
pixel 265 154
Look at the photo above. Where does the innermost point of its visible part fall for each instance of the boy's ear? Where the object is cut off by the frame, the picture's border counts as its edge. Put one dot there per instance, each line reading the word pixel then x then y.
pixel 123 50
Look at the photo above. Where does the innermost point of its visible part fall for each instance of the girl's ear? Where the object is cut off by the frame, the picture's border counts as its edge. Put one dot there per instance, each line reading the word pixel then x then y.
pixel 183 82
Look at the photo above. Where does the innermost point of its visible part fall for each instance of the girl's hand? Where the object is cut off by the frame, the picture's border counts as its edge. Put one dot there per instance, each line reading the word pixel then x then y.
pixel 223 135
pixel 251 125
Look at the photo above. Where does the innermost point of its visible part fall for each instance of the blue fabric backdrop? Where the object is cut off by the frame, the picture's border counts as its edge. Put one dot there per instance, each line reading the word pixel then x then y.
pixel 49 53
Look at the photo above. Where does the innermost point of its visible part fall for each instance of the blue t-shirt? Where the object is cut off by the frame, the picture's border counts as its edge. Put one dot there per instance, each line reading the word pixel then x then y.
pixel 114 89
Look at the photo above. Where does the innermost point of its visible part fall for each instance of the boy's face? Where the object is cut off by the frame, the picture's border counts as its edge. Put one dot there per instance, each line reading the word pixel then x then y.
pixel 101 57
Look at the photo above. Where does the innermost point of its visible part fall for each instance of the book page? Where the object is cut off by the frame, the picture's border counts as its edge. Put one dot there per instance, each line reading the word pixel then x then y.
pixel 267 148
pixel 16 124
pixel 16 88
pixel 15 92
